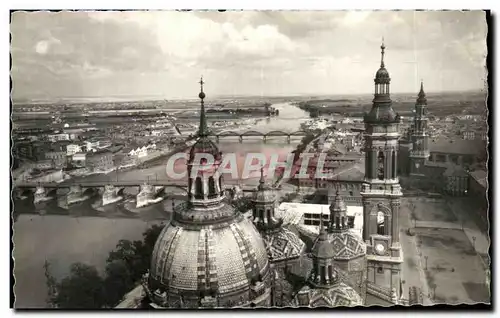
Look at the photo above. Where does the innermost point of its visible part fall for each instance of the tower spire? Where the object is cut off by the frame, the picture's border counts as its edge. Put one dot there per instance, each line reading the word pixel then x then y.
pixel 421 100
pixel 382 47
pixel 202 130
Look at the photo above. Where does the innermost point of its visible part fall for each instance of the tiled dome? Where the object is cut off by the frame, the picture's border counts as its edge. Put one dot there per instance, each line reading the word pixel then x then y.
pixel 346 245
pixel 283 244
pixel 216 261
pixel 339 294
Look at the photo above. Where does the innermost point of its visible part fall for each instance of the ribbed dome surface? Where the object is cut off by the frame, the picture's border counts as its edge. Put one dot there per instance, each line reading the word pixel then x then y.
pixel 223 260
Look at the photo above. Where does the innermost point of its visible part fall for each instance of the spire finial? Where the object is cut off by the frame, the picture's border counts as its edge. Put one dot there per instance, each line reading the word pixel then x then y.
pixel 382 47
pixel 201 82
pixel 262 180
pixel 203 130
pixel 421 100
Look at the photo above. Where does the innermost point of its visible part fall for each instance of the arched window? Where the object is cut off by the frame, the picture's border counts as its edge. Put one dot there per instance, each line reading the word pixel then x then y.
pixel 211 187
pixel 221 184
pixel 198 189
pixel 268 214
pixel 381 223
pixel 323 274
pixel 380 166
pixel 394 172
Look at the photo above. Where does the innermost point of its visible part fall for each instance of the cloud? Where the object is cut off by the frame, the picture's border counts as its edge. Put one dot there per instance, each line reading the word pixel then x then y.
pixel 268 52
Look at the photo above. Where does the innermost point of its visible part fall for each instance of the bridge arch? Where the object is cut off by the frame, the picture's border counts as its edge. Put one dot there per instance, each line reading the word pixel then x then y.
pixel 277 133
pixel 252 133
pixel 228 133
pixel 298 133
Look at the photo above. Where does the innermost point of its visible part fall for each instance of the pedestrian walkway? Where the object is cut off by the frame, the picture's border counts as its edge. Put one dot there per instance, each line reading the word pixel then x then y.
pixel 438 225
pixel 479 239
pixel 413 272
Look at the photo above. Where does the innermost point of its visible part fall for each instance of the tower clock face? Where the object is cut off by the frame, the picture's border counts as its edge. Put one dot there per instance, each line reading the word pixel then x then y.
pixel 380 248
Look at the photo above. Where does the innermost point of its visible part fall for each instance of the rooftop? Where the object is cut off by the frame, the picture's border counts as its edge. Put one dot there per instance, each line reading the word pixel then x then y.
pixel 481 176
pixel 456 146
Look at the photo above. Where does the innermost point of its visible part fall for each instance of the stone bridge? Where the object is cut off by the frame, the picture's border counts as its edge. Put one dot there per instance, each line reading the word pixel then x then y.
pixel 253 133
pixel 150 191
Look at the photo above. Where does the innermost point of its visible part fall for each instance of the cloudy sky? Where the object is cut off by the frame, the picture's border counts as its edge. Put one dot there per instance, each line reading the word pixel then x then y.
pixel 102 54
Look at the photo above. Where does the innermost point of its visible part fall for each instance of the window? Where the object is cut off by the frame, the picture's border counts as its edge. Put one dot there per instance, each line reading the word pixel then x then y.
pixel 211 187
pixel 220 184
pixel 380 270
pixel 350 222
pixel 198 189
pixel 380 223
pixel 380 169
pixel 351 193
pixel 394 172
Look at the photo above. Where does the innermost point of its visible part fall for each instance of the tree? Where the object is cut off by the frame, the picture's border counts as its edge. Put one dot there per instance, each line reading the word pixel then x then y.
pixel 51 283
pixel 117 283
pixel 137 254
pixel 131 254
pixel 82 289
pixel 150 236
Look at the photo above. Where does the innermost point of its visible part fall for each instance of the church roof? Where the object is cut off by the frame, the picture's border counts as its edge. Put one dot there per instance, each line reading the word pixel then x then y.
pixel 283 244
pixel 346 245
pixel 456 146
pixel 339 295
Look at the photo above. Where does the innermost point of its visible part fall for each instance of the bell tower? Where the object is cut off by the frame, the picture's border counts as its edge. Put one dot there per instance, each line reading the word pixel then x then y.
pixel 419 138
pixel 381 191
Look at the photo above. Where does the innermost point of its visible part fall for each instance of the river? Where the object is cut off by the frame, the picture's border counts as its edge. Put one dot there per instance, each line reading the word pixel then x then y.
pixel 86 234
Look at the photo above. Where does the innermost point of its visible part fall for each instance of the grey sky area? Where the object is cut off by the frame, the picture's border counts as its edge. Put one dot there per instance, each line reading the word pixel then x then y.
pixel 99 54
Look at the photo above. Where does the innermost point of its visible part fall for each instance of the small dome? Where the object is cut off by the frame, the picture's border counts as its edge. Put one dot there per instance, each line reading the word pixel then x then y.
pixel 382 76
pixel 264 196
pixel 322 247
pixel 201 95
pixel 205 145
pixel 264 192
pixel 383 113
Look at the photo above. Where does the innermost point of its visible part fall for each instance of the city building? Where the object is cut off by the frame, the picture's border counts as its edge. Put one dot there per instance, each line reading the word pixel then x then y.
pixel 72 149
pixel 100 161
pixel 59 158
pixel 58 137
pixel 438 163
pixel 478 191
pixel 419 154
pixel 307 216
pixel 79 159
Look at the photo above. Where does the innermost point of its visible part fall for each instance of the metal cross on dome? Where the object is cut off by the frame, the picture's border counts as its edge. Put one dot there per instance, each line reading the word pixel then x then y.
pixel 201 82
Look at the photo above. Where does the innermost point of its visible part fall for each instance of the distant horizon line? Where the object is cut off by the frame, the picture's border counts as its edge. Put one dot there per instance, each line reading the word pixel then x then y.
pixel 161 97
